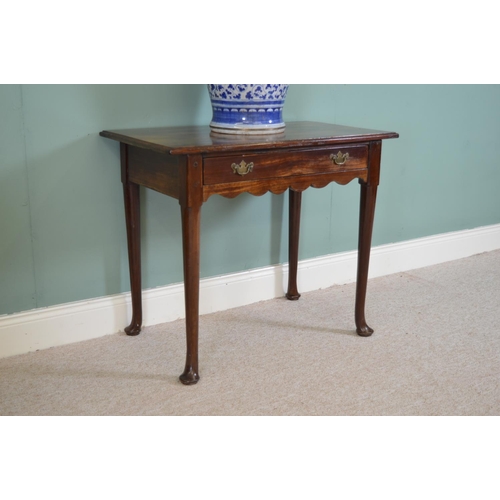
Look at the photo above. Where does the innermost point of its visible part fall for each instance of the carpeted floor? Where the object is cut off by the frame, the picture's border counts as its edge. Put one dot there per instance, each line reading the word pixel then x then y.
pixel 435 351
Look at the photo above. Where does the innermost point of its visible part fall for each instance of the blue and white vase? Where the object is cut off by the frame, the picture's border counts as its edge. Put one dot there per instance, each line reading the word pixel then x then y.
pixel 247 108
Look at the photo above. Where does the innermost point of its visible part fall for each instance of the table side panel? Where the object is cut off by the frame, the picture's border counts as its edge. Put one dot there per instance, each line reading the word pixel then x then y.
pixel 374 159
pixel 154 170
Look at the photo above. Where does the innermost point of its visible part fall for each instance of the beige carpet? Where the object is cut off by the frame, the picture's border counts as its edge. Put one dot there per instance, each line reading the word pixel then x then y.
pixel 435 351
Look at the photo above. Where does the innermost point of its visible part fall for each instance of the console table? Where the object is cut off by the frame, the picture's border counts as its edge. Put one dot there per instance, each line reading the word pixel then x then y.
pixel 191 164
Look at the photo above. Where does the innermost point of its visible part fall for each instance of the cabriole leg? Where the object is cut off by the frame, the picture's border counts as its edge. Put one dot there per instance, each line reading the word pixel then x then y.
pixel 293 243
pixel 191 251
pixel 132 218
pixel 366 216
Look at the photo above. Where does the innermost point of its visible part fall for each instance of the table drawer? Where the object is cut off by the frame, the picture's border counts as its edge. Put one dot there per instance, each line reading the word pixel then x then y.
pixel 251 167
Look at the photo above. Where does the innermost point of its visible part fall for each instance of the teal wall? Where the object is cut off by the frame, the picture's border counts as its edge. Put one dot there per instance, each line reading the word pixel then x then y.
pixel 62 232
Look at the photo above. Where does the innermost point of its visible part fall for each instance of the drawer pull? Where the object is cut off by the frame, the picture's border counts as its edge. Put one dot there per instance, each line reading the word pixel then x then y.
pixel 339 158
pixel 243 168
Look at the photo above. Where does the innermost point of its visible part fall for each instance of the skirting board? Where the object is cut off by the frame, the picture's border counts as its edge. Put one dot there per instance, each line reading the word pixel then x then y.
pixel 67 323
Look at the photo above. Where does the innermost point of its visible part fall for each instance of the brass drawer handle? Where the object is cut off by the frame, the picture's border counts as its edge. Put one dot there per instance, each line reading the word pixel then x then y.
pixel 243 168
pixel 339 158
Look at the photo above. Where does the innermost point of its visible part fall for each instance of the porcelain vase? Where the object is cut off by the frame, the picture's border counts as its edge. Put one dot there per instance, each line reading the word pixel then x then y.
pixel 247 108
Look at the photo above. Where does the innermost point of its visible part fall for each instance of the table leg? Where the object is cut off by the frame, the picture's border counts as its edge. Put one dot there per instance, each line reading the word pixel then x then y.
pixel 366 216
pixel 295 199
pixel 191 250
pixel 132 218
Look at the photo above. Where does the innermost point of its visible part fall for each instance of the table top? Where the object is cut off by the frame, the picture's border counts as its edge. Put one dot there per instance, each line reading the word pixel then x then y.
pixel 200 139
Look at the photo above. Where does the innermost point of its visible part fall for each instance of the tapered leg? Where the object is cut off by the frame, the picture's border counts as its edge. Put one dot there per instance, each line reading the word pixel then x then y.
pixel 191 251
pixel 366 215
pixel 132 218
pixel 293 243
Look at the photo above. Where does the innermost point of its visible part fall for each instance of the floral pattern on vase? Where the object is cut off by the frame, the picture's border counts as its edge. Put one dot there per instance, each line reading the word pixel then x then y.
pixel 247 108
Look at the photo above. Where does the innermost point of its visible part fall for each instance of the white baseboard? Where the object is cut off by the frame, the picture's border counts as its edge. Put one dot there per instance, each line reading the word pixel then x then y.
pixel 67 323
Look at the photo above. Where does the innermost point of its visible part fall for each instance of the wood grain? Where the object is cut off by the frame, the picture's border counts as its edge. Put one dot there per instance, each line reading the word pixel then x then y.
pixel 193 140
pixel 217 170
pixel 157 171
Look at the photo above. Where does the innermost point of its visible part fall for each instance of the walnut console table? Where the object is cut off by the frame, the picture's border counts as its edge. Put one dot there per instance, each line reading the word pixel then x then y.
pixel 191 164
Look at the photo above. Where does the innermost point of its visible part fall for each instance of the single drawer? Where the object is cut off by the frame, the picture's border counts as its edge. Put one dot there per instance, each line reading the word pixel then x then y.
pixel 224 169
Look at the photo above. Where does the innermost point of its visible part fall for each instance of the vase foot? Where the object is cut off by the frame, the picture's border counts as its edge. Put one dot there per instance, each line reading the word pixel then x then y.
pixel 247 130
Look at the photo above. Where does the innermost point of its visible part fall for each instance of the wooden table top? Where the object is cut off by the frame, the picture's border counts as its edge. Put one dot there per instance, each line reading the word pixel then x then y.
pixel 199 139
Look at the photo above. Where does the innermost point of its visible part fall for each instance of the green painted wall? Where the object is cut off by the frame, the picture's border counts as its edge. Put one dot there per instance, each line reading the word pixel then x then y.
pixel 62 233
